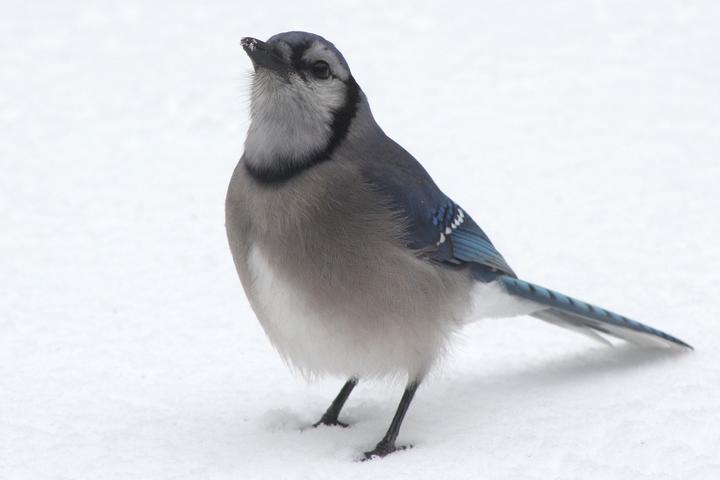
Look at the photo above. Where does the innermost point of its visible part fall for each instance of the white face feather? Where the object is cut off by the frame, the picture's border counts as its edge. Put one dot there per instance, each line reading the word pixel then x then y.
pixel 291 119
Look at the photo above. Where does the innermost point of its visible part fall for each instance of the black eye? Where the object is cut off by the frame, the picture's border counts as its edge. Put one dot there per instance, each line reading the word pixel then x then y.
pixel 321 69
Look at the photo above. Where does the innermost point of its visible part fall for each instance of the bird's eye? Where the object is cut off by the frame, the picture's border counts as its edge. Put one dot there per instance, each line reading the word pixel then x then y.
pixel 321 69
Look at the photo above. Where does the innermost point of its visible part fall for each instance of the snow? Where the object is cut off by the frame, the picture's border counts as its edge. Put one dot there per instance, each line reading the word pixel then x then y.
pixel 582 135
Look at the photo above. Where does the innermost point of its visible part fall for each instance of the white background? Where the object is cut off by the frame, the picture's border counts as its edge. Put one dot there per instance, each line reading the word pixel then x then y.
pixel 584 136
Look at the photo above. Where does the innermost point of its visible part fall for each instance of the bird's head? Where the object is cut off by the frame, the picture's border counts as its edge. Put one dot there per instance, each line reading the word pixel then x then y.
pixel 303 101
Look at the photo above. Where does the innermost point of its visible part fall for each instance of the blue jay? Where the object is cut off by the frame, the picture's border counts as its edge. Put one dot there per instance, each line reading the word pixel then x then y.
pixel 353 260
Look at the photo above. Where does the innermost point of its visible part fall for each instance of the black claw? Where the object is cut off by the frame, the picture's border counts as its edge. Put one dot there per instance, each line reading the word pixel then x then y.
pixel 330 417
pixel 387 445
pixel 382 450
pixel 330 423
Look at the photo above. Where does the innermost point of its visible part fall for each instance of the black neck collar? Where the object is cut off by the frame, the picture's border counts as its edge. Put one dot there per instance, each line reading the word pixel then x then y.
pixel 285 169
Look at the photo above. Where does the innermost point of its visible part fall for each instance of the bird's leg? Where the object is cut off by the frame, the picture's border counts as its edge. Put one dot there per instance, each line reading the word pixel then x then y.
pixel 330 417
pixel 387 444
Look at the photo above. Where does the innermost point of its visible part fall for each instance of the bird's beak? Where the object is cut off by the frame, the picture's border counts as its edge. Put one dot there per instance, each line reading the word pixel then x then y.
pixel 264 56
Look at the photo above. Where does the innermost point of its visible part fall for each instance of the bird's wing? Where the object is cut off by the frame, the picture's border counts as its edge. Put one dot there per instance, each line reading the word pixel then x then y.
pixel 438 227
pixel 435 225
pixel 457 238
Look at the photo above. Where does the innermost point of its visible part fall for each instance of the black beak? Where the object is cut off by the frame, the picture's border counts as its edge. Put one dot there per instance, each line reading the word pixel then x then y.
pixel 264 56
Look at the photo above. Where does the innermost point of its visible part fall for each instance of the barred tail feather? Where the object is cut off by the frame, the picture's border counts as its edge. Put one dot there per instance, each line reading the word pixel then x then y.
pixel 586 318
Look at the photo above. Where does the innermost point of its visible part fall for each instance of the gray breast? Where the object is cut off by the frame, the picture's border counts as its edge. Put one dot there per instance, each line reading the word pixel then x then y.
pixel 325 267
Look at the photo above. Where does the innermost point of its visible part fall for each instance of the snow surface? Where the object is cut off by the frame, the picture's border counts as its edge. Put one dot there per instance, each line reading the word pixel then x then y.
pixel 583 135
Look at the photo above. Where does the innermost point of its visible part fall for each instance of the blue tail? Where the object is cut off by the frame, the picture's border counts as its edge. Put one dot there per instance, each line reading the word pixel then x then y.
pixel 589 319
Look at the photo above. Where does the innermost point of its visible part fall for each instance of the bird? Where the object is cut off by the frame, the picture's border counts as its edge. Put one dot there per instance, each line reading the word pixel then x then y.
pixel 354 262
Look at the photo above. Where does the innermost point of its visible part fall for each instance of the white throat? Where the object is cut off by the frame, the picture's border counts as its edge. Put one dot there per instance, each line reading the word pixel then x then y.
pixel 290 121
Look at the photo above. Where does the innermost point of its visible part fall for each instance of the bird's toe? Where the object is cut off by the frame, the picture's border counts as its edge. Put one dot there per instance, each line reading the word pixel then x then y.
pixel 382 450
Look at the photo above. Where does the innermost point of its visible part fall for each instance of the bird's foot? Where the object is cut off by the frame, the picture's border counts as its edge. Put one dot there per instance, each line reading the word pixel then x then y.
pixel 330 422
pixel 383 449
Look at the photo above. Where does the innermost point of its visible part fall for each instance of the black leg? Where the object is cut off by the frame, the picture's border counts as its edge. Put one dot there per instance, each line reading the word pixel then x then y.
pixel 331 415
pixel 387 444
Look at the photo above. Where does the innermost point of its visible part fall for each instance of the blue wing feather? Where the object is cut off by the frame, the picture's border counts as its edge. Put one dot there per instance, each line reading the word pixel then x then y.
pixel 440 229
pixel 436 225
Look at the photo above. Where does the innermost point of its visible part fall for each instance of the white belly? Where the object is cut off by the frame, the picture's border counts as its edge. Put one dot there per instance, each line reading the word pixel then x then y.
pixel 318 342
